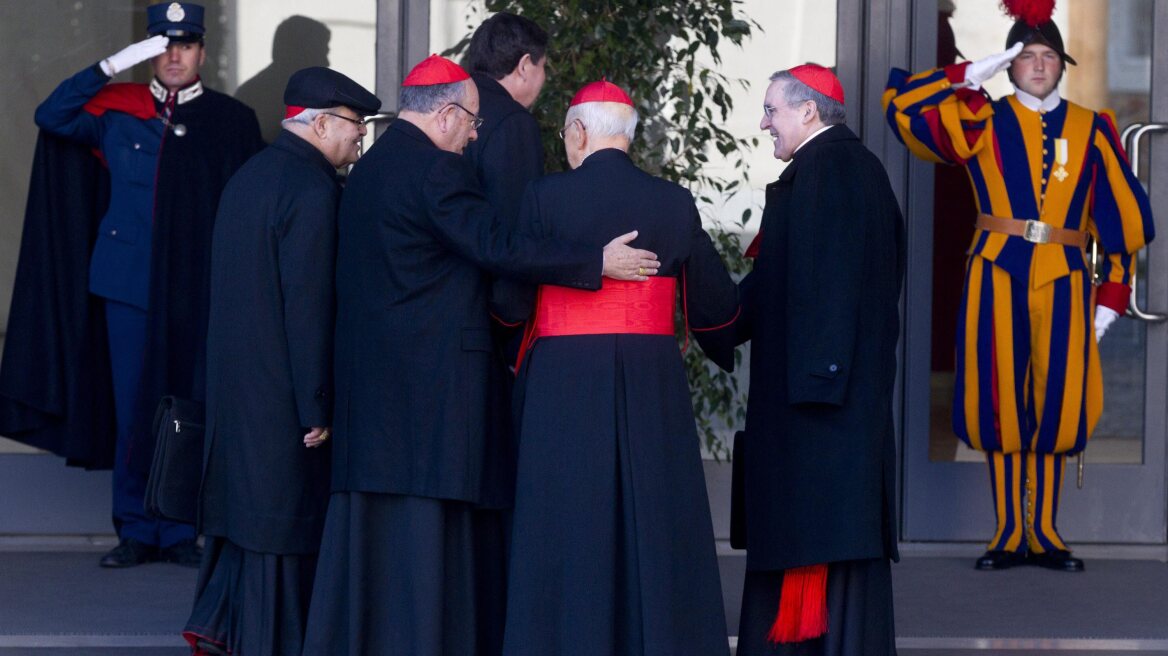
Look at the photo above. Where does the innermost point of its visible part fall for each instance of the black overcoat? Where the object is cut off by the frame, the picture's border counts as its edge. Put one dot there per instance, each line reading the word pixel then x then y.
pixel 821 310
pixel 612 525
pixel 506 156
pixel 269 351
pixel 38 402
pixel 416 243
pixel 55 390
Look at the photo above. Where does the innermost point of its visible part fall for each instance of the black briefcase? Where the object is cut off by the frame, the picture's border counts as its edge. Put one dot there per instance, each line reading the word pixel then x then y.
pixel 738 493
pixel 172 491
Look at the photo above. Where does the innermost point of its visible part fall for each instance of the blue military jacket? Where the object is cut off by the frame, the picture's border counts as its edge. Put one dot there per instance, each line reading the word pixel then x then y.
pixel 120 265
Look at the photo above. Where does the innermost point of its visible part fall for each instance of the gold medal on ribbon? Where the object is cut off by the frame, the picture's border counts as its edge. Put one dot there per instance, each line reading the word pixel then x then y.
pixel 1060 157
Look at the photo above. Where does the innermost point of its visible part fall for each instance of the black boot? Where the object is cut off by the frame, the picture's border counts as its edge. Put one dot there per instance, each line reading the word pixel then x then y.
pixel 996 559
pixel 129 553
pixel 1058 559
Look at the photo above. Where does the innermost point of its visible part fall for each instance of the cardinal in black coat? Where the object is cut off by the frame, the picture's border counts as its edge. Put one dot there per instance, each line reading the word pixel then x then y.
pixel 269 373
pixel 817 459
pixel 612 524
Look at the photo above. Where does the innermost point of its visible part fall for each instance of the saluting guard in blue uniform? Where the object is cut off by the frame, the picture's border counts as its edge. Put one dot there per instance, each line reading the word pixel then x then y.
pixel 169 147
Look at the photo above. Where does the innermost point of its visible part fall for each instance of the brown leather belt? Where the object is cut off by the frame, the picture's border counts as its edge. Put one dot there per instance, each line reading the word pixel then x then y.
pixel 1032 231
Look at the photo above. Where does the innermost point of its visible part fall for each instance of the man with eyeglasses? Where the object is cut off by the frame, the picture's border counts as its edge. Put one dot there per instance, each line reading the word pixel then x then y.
pixel 417 244
pixel 120 243
pixel 816 463
pixel 269 374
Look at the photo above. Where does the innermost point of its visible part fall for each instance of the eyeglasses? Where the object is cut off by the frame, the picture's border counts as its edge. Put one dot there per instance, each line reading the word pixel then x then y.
pixel 354 121
pixel 564 129
pixel 477 120
pixel 769 110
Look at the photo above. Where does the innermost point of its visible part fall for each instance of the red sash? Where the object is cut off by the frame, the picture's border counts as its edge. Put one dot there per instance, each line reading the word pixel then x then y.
pixel 619 307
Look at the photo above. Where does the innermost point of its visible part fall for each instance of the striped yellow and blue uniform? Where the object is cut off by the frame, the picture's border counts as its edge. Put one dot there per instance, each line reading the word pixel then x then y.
pixel 1028 379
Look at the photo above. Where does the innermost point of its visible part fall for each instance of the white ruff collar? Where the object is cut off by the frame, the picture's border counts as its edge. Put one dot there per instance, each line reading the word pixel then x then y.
pixel 1034 104
pixel 185 95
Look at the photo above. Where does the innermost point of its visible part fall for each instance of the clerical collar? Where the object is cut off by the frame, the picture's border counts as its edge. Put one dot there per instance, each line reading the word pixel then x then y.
pixel 1035 104
pixel 812 136
pixel 185 94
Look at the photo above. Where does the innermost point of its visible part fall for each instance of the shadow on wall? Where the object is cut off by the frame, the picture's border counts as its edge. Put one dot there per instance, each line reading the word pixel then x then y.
pixel 299 42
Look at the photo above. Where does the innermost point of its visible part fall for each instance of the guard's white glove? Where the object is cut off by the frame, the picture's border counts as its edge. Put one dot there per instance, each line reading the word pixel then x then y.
pixel 134 54
pixel 1104 317
pixel 983 69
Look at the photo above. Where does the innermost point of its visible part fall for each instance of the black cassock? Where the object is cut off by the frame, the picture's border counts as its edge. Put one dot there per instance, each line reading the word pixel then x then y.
pixel 55 379
pixel 416 244
pixel 821 311
pixel 269 380
pixel 613 548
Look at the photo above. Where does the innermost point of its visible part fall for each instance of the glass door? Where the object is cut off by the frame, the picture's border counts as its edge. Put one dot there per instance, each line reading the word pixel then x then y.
pixel 1116 492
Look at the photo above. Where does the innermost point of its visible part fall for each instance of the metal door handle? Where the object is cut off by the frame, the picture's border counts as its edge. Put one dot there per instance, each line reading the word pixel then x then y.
pixel 1125 136
pixel 1135 133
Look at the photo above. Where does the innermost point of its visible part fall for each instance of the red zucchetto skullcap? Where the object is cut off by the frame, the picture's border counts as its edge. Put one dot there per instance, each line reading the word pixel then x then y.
pixel 821 79
pixel 435 70
pixel 602 91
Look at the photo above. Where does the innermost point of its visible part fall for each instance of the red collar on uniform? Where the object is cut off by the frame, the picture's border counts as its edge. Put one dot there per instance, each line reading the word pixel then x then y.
pixel 129 98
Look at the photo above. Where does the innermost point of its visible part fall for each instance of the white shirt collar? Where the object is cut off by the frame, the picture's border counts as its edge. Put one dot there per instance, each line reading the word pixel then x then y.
pixel 1034 104
pixel 812 136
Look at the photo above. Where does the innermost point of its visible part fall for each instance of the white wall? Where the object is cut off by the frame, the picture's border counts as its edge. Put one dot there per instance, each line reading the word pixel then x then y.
pixel 353 24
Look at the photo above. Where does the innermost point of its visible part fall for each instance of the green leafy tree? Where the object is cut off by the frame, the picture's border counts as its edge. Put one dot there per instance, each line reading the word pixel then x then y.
pixel 656 51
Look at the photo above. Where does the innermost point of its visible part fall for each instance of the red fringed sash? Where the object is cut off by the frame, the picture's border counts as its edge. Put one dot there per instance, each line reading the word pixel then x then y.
pixel 802 605
pixel 643 308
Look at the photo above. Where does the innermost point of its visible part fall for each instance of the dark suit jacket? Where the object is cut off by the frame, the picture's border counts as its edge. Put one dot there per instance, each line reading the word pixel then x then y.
pixel 821 309
pixel 416 242
pixel 508 154
pixel 270 351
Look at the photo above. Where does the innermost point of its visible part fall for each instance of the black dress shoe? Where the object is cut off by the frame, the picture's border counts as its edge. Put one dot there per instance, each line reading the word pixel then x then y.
pixel 129 553
pixel 186 553
pixel 1058 559
pixel 997 559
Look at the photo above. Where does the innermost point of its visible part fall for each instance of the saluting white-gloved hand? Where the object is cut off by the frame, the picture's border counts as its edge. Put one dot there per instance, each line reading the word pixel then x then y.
pixel 134 54
pixel 1104 317
pixel 983 69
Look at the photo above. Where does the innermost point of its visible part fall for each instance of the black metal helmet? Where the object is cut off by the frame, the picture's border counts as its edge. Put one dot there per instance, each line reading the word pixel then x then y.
pixel 1046 33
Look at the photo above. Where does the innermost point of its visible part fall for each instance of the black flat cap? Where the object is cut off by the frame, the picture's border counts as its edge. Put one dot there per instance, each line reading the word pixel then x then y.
pixel 318 87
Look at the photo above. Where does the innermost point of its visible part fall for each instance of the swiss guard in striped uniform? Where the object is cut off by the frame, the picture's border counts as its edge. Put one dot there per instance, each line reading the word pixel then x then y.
pixel 613 548
pixel 1047 175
